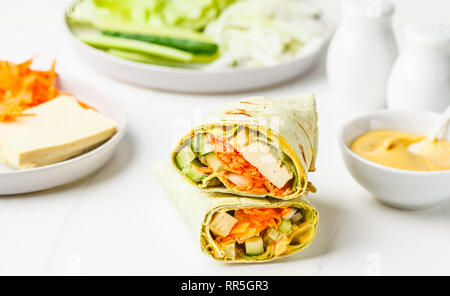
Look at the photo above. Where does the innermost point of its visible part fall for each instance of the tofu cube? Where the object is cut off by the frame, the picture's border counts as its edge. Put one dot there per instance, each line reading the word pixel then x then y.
pixel 222 223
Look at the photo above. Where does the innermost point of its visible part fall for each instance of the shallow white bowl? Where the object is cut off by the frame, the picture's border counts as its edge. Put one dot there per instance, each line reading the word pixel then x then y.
pixel 397 188
pixel 193 80
pixel 31 180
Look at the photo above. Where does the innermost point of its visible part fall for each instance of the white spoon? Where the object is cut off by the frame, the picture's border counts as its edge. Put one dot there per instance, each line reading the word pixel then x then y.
pixel 440 127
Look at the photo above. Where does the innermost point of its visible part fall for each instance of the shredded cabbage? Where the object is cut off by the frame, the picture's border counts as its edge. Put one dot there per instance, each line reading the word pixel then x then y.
pixel 259 33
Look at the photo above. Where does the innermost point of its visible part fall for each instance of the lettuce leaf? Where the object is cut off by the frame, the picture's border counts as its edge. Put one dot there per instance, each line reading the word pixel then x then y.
pixel 187 14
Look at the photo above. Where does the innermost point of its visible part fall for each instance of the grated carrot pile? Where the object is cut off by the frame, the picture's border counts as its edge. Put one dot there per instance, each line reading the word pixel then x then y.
pixel 236 163
pixel 22 88
pixel 251 222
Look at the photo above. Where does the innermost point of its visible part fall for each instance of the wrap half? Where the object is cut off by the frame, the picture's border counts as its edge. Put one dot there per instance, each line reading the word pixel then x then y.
pixel 254 147
pixel 241 229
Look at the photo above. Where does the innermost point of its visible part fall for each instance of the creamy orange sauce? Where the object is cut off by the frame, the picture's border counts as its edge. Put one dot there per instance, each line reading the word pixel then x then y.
pixel 390 148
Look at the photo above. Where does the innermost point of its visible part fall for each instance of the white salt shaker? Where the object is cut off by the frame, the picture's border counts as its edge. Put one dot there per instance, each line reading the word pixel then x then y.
pixel 420 78
pixel 361 54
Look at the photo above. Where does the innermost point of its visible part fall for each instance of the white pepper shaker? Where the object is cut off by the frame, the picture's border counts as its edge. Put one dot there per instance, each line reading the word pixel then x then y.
pixel 361 54
pixel 420 78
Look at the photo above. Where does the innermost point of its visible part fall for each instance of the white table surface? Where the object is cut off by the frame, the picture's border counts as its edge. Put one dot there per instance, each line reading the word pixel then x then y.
pixel 120 222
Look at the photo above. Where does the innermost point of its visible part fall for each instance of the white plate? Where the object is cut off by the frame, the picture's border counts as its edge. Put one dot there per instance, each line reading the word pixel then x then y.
pixel 42 178
pixel 194 81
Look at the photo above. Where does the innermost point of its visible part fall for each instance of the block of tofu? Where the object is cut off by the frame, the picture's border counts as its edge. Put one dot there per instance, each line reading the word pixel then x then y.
pixel 58 130
pixel 222 223
pixel 261 157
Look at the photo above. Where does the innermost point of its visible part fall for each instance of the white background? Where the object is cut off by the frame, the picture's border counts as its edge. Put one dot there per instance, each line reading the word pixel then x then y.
pixel 119 221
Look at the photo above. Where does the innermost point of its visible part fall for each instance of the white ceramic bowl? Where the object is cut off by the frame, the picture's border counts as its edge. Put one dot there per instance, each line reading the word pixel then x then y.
pixel 192 80
pixel 37 179
pixel 397 188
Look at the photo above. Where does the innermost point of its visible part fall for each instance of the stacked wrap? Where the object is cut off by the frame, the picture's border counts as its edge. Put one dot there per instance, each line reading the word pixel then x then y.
pixel 290 124
pixel 197 208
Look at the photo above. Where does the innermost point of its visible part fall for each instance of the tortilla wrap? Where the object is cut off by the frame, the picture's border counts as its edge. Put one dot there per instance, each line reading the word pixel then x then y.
pixel 197 207
pixel 287 124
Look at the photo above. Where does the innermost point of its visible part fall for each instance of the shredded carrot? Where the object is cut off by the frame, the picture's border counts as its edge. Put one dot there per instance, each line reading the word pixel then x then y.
pixel 236 163
pixel 22 88
pixel 86 106
pixel 251 222
pixel 205 170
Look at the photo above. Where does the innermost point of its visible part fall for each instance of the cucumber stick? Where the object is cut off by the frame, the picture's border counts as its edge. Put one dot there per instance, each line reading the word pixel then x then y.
pixel 145 58
pixel 192 172
pixel 254 246
pixel 196 47
pixel 185 157
pixel 108 42
pixel 149 59
pixel 200 144
pixel 173 32
pixel 138 57
pixel 285 226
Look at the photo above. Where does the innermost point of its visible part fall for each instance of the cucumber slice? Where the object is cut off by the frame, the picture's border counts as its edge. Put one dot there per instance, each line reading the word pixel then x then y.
pixel 195 47
pixel 254 246
pixel 200 144
pixel 108 42
pixel 196 142
pixel 185 157
pixel 285 226
pixel 147 59
pixel 175 33
pixel 191 171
